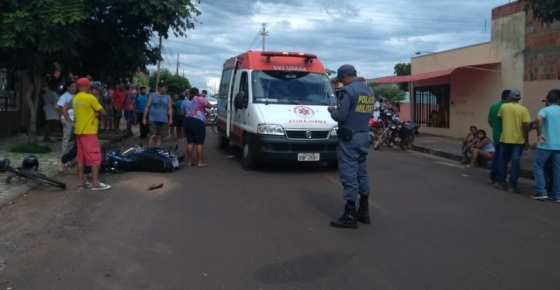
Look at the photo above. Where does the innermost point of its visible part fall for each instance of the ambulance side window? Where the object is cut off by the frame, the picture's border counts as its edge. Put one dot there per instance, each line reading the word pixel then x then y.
pixel 243 96
pixel 224 84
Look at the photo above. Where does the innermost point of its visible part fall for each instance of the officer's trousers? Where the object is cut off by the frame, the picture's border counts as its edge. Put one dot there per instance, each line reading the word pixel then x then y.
pixel 352 165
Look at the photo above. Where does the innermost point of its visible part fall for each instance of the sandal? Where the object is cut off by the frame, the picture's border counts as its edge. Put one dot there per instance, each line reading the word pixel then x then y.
pixel 101 186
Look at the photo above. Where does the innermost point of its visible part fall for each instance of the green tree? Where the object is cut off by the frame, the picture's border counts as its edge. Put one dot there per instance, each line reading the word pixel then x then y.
pixel 33 34
pixel 403 69
pixel 176 84
pixel 121 33
pixel 390 92
pixel 141 79
pixel 108 39
pixel 546 10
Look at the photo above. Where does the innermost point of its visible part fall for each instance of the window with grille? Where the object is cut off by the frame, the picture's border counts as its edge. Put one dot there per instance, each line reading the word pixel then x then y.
pixel 8 101
pixel 431 106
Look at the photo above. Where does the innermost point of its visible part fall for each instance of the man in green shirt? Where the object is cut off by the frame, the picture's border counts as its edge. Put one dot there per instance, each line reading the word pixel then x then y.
pixel 496 124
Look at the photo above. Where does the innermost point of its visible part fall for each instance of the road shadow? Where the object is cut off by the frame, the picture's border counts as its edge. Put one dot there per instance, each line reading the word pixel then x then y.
pixel 303 268
pixel 323 202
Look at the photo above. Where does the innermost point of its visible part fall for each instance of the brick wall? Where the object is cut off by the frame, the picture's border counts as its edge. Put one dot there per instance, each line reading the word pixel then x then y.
pixel 507 9
pixel 542 52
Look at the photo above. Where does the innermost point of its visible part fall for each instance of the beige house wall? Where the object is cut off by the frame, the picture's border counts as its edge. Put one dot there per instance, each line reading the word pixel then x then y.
pixel 474 91
pixel 483 53
pixel 536 91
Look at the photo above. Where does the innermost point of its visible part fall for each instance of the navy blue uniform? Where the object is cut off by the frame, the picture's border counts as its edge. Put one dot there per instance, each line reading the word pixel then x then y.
pixel 355 108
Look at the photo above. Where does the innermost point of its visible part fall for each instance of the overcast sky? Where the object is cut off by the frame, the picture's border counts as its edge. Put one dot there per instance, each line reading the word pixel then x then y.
pixel 371 34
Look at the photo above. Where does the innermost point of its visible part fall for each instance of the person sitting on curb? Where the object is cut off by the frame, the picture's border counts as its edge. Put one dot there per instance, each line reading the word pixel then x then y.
pixel 468 142
pixel 482 150
pixel 86 125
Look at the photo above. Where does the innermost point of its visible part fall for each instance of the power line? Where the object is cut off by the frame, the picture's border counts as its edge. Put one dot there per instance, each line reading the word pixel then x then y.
pixel 254 40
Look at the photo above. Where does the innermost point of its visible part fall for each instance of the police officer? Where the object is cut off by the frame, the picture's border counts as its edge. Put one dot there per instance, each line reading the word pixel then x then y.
pixel 355 104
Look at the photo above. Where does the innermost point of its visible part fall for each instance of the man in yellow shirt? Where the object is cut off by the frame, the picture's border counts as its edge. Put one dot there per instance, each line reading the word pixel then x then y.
pixel 516 122
pixel 86 115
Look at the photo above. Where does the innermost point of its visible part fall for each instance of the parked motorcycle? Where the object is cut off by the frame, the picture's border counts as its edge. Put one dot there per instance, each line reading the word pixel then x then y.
pixel 396 134
pixel 379 127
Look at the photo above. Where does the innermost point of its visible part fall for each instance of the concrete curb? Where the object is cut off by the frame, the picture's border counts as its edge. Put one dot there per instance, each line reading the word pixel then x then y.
pixel 17 191
pixel 524 172
pixel 438 153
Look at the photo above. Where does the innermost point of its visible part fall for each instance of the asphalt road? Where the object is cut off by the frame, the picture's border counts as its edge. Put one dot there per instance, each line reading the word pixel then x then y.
pixel 436 226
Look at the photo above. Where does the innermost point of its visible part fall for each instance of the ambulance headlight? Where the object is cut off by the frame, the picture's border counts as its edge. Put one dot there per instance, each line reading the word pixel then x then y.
pixel 334 132
pixel 270 129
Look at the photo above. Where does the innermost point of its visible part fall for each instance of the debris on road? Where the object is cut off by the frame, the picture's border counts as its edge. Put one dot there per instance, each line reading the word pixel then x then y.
pixel 156 186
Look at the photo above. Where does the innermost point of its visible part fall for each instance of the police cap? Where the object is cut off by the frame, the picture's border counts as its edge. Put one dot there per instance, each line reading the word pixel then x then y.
pixel 346 70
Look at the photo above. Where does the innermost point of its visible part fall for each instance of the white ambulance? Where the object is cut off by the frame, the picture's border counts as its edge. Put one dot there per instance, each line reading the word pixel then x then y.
pixel 274 105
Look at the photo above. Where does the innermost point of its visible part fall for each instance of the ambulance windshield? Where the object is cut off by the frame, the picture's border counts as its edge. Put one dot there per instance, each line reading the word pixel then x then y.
pixel 291 88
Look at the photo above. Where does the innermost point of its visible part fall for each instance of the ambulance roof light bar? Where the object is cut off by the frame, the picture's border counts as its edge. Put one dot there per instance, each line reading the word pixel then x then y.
pixel 308 57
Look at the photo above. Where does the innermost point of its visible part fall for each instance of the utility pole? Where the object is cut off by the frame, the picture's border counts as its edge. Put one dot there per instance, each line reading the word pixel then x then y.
pixel 177 72
pixel 264 34
pixel 158 66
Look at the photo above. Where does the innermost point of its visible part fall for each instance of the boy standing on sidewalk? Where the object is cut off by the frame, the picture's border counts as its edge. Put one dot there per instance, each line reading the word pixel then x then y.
pixel 548 129
pixel 86 113
pixel 516 121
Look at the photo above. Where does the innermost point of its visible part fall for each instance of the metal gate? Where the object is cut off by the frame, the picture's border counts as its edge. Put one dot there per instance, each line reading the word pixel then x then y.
pixel 431 106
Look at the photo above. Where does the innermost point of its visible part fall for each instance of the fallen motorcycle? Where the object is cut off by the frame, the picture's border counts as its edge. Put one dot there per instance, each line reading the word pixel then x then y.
pixel 137 158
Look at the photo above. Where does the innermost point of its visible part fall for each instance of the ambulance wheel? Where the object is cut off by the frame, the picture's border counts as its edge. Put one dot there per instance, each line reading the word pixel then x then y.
pixel 248 159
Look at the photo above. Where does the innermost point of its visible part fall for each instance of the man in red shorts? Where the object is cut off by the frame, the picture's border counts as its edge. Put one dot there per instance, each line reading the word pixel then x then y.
pixel 86 113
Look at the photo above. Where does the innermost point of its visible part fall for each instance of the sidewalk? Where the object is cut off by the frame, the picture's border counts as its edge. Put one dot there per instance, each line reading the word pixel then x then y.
pixel 49 163
pixel 450 148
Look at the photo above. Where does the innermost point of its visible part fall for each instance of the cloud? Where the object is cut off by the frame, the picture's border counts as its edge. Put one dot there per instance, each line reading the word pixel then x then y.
pixel 373 35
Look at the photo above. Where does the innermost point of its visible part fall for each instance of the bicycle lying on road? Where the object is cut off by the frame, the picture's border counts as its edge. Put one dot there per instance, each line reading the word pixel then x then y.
pixel 28 174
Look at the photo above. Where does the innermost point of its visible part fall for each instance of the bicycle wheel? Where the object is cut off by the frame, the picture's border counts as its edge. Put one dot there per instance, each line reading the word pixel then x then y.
pixel 40 178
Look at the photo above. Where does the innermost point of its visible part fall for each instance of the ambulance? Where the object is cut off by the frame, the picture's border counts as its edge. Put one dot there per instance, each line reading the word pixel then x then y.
pixel 274 106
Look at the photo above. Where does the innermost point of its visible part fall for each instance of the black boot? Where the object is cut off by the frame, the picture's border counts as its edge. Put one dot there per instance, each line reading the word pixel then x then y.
pixel 363 211
pixel 348 218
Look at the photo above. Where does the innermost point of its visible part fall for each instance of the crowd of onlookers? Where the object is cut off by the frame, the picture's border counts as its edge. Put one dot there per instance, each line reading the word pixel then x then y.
pixel 511 124
pixel 83 108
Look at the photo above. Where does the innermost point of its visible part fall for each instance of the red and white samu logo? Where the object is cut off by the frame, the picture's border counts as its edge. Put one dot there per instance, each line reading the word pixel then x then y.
pixel 304 112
